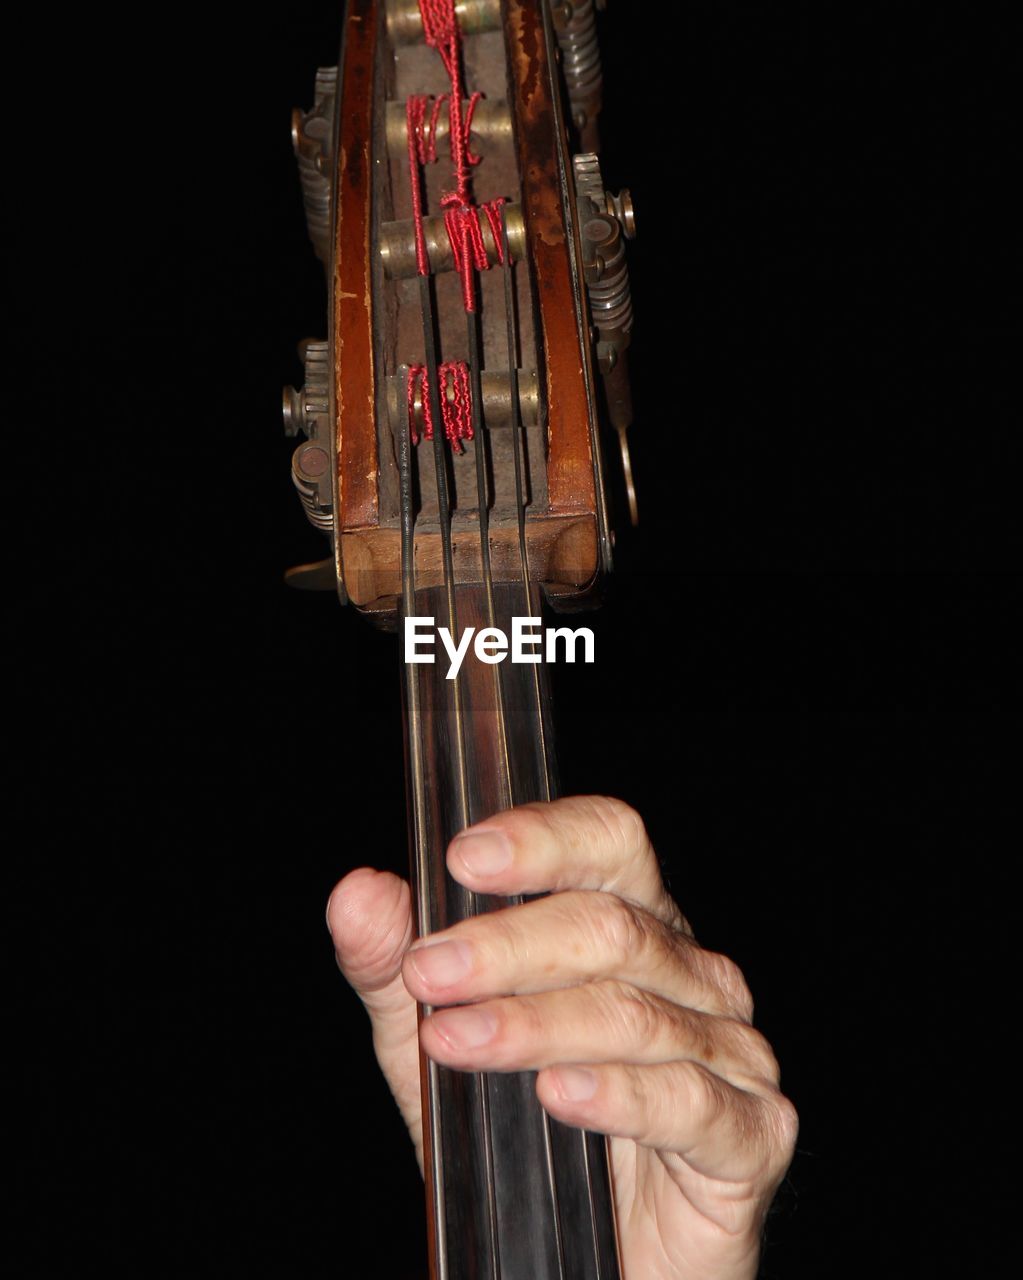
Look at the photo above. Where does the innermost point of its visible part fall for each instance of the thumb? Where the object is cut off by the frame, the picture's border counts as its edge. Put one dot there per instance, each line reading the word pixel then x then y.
pixel 369 916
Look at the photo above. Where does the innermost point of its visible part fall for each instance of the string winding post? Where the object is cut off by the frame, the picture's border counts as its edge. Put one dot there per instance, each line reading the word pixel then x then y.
pixel 467 246
pixel 455 401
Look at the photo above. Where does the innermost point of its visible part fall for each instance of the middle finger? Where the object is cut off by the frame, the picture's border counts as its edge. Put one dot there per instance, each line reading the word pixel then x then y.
pixel 566 939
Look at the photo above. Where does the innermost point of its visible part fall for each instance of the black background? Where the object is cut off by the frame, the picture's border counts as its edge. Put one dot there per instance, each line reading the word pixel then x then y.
pixel 803 676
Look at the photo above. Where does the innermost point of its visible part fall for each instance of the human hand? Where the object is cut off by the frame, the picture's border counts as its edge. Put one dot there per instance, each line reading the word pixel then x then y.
pixel 635 1030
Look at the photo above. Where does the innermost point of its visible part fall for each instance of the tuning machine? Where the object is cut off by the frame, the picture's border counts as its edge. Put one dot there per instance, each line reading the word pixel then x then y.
pixel 606 221
pixel 308 412
pixel 312 136
pixel 576 29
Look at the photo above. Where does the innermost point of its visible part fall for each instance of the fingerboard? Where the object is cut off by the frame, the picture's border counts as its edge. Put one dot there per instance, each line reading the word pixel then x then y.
pixel 512 1194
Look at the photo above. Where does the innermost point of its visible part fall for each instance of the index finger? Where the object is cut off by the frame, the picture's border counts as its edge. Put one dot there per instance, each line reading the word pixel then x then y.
pixel 580 842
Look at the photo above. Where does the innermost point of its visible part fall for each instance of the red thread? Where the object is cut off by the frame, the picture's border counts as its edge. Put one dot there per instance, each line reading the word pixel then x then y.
pixel 468 246
pixel 467 129
pixel 440 27
pixel 422 150
pixel 455 401
pixel 425 136
pixel 415 112
pixel 492 208
pixel 461 217
pixel 438 106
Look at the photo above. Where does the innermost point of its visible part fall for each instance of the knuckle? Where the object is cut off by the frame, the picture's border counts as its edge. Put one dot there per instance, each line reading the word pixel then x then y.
pixel 504 937
pixel 752 1051
pixel 617 820
pixel 631 1013
pixel 779 1129
pixel 618 926
pixel 757 1048
pixel 730 981
pixel 527 825
pixel 616 831
pixel 702 1099
pixel 786 1126
pixel 672 1093
pixel 639 1103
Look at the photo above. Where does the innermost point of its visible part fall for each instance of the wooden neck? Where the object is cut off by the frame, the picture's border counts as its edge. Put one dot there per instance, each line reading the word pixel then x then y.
pixel 511 1194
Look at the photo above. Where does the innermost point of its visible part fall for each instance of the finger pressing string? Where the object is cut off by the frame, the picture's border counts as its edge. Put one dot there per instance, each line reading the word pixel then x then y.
pixel 720 1132
pixel 595 1022
pixel 582 842
pixel 566 939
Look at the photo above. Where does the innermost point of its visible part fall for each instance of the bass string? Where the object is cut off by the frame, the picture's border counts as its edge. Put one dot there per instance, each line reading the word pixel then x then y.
pixel 470 900
pixel 441 30
pixel 518 448
pixel 419 820
pixel 461 774
pixel 432 391
pixel 512 329
pixel 444 517
pixel 480 449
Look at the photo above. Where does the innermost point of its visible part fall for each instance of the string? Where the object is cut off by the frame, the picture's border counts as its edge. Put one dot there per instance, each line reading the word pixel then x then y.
pixel 415 112
pixel 480 450
pixel 440 27
pixel 511 326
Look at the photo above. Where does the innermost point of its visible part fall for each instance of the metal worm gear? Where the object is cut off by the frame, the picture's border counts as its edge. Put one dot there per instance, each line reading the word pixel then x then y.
pixel 312 134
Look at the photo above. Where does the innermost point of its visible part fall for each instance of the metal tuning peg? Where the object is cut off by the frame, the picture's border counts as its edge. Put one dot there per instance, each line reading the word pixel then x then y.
pixel 308 411
pixel 606 221
pixel 312 135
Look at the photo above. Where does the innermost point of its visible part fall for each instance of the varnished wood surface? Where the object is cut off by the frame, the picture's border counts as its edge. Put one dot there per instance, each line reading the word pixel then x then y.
pixel 562 553
pixel 570 478
pixel 354 374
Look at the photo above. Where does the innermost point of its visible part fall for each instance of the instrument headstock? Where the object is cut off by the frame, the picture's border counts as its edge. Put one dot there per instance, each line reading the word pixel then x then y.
pixel 527 338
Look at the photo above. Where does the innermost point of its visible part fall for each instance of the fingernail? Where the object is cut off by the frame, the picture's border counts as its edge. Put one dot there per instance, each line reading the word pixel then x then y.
pixel 440 964
pixel 465 1028
pixel 575 1084
pixel 483 853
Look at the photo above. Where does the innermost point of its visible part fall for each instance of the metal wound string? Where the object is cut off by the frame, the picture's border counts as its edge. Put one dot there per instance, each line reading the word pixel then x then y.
pixel 432 392
pixel 511 327
pixel 415 748
pixel 481 446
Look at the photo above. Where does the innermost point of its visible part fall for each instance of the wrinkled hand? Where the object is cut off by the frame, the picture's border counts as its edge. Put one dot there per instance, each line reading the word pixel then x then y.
pixel 635 1030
